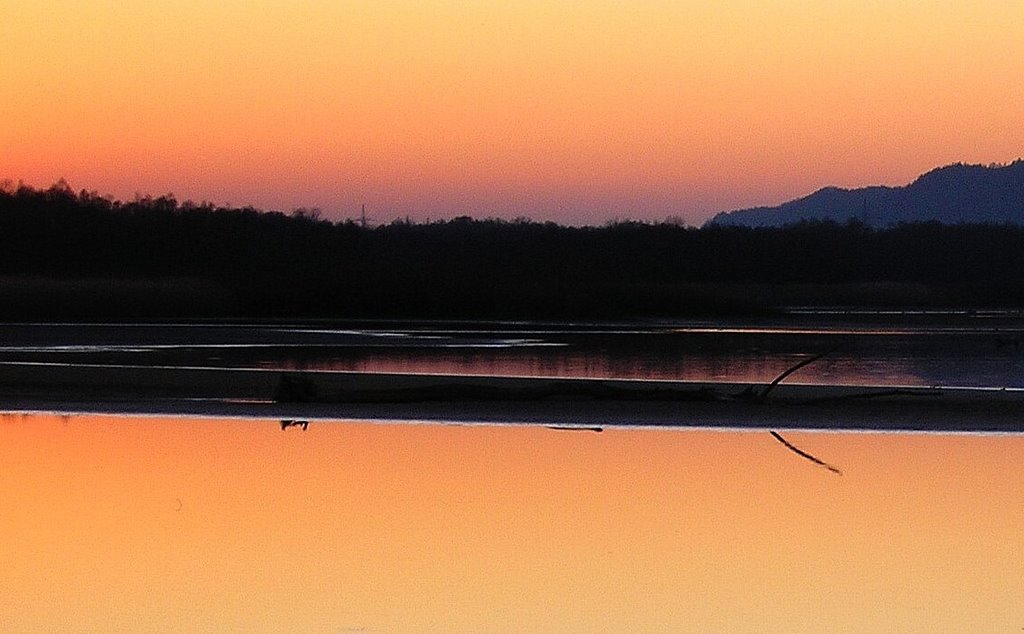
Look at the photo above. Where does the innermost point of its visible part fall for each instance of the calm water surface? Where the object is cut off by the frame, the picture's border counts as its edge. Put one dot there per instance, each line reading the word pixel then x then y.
pixel 173 524
pixel 967 350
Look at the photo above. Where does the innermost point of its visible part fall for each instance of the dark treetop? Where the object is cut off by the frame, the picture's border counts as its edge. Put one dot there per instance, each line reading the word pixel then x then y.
pixel 70 256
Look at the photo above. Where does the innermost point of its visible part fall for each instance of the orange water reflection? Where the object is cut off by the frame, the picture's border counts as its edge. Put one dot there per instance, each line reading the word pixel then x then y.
pixel 196 524
pixel 735 369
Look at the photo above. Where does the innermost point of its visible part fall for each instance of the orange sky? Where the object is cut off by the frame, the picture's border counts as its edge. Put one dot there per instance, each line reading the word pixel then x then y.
pixel 159 524
pixel 577 111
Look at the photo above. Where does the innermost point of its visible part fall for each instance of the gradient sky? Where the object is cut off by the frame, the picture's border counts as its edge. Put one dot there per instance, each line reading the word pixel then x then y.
pixel 576 111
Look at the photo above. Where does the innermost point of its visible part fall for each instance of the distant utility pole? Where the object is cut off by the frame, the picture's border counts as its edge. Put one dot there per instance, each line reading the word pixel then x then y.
pixel 364 220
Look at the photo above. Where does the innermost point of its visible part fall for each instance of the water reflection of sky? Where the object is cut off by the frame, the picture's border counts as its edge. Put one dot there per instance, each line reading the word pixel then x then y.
pixel 857 354
pixel 212 525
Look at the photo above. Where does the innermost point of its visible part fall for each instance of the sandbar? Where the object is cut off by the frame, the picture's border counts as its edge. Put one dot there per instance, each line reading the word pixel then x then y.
pixel 586 403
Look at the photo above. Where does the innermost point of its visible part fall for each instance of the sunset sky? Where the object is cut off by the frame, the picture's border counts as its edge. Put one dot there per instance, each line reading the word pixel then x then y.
pixel 574 111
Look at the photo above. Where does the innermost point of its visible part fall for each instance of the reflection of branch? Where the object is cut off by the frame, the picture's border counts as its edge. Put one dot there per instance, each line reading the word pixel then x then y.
pixel 804 454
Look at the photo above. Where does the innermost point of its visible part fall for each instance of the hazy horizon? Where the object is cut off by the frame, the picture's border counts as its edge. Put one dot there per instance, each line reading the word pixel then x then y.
pixel 578 113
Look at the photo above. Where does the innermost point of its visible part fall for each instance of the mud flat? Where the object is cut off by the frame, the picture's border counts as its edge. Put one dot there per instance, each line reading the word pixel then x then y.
pixel 583 403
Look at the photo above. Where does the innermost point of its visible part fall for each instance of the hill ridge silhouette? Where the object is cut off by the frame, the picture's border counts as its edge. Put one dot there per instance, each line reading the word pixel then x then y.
pixel 952 194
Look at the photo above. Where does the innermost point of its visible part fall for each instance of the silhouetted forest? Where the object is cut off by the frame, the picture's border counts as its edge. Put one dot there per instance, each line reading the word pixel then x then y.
pixel 67 255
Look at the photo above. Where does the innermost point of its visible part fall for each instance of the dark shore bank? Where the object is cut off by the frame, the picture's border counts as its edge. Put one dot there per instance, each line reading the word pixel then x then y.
pixel 501 400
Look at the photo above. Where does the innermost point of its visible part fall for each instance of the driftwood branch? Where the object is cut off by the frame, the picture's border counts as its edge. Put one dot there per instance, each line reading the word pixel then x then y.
pixel 776 435
pixel 594 428
pixel 791 370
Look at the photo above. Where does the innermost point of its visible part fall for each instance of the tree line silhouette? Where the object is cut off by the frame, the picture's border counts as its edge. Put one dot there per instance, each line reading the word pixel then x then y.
pixel 67 255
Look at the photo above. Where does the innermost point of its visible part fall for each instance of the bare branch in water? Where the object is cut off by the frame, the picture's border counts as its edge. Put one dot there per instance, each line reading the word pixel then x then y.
pixel 575 428
pixel 791 370
pixel 804 454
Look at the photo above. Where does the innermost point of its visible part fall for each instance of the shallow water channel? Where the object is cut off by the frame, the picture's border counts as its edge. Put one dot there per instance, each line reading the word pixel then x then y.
pixel 972 350
pixel 205 524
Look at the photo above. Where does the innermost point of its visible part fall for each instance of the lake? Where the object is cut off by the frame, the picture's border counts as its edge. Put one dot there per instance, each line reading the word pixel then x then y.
pixel 185 523
pixel 206 524
pixel 922 349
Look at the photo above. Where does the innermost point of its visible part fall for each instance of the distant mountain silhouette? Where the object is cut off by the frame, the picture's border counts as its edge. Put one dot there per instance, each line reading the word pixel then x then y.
pixel 953 194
